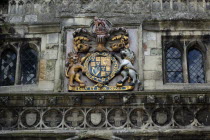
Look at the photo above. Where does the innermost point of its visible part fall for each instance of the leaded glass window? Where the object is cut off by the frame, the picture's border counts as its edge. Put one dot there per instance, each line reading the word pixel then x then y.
pixel 28 65
pixel 174 71
pixel 8 67
pixel 196 66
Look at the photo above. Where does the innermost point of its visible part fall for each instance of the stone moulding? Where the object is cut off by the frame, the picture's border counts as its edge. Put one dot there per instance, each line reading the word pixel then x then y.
pixel 144 113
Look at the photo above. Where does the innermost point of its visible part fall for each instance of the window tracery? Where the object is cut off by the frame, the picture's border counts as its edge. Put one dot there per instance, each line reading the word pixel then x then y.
pixel 184 63
pixel 18 64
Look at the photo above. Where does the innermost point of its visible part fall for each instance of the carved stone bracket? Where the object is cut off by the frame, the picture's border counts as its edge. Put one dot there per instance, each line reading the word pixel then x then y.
pixel 201 98
pixel 151 99
pixel 29 101
pixel 100 99
pixel 4 100
pixel 77 100
pixel 52 101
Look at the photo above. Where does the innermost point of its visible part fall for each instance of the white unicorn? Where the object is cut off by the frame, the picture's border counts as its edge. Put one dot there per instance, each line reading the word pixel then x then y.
pixel 126 68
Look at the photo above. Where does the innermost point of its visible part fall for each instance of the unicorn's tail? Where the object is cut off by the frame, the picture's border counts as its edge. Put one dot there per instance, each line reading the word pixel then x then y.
pixel 139 82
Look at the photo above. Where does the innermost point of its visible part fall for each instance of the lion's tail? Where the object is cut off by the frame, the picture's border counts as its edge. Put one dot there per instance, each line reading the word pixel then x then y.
pixel 66 72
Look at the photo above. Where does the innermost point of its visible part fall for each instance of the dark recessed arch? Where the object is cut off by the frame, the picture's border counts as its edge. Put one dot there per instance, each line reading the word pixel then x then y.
pixel 6 47
pixel 173 44
pixel 197 45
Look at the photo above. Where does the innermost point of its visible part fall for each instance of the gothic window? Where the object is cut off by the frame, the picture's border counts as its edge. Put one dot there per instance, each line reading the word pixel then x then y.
pixel 195 66
pixel 192 5
pixel 8 67
pixel 51 6
pixel 20 7
pixel 176 5
pixel 28 8
pixel 184 61
pixel 156 5
pixel 44 7
pixel 28 65
pixel 18 64
pixel 4 7
pixel 13 7
pixel 166 4
pixel 200 5
pixel 174 72
pixel 207 4
pixel 183 5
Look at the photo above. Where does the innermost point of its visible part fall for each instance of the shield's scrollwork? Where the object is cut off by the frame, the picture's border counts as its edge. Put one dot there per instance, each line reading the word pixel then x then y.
pixel 31 118
pixel 96 118
pixel 101 55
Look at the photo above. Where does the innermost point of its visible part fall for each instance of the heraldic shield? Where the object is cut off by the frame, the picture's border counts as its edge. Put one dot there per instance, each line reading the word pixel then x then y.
pixel 101 55
pixel 31 118
pixel 96 118
pixel 100 66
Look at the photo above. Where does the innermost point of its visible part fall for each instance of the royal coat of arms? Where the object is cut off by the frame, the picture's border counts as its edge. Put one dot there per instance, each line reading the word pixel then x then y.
pixel 101 55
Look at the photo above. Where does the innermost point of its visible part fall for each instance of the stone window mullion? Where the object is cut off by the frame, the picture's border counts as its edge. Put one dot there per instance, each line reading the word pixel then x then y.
pixel 9 8
pixel 161 3
pixel 196 5
pixel 17 75
pixel 185 68
pixel 204 5
pixel 188 5
pixel 16 7
pixel 171 4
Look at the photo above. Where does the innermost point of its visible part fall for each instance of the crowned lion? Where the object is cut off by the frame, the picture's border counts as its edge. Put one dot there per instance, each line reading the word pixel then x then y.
pixel 74 65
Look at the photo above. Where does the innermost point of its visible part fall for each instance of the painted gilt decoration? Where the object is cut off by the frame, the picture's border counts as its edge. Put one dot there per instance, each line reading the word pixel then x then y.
pixel 101 55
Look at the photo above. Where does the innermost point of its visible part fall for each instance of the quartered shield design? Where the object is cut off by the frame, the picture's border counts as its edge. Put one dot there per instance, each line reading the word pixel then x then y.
pixel 96 118
pixel 31 118
pixel 100 66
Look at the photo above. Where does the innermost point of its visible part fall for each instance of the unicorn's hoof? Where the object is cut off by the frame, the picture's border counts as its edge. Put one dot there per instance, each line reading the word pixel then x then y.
pixel 117 73
pixel 119 84
pixel 141 88
pixel 132 84
pixel 82 85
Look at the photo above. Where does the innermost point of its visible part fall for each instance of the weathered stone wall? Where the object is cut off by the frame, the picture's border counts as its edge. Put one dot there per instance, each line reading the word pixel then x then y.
pixel 50 20
pixel 154 113
pixel 134 11
pixel 48 44
pixel 154 36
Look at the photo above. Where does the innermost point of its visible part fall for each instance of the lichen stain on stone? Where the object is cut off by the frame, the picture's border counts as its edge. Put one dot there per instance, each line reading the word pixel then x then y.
pixel 96 134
